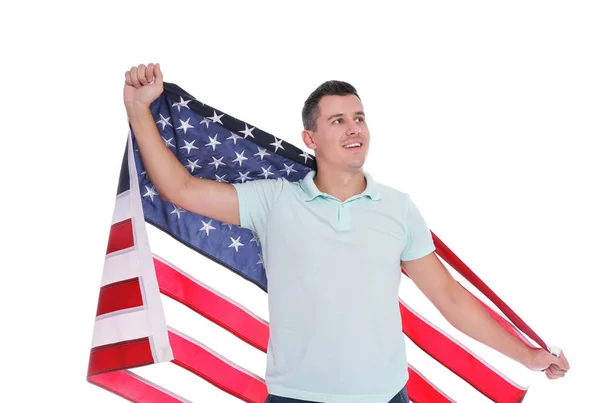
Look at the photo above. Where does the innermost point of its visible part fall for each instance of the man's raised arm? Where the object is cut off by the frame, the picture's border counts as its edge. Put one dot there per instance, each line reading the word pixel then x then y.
pixel 143 84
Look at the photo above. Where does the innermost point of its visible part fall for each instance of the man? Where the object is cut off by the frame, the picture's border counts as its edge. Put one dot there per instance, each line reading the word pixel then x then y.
pixel 335 328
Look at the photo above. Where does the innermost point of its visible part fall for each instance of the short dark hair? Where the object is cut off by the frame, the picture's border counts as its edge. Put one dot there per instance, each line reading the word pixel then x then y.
pixel 310 111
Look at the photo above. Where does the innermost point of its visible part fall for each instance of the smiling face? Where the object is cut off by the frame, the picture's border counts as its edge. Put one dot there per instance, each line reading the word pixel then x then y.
pixel 340 138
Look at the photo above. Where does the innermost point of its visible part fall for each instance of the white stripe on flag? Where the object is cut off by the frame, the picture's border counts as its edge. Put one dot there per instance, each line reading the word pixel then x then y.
pixel 184 383
pixel 122 210
pixel 442 378
pixel 157 385
pixel 120 266
pixel 128 325
pixel 224 343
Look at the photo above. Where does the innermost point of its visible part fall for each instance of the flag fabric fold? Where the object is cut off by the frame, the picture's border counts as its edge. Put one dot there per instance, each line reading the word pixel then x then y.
pixel 132 327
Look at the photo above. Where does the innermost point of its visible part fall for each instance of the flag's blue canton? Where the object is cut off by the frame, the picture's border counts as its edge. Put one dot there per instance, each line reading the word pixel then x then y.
pixel 213 145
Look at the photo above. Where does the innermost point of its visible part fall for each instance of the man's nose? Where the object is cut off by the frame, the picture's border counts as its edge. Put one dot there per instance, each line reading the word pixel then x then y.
pixel 353 129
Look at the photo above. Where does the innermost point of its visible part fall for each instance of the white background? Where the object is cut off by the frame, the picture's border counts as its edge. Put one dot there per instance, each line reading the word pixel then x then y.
pixel 486 113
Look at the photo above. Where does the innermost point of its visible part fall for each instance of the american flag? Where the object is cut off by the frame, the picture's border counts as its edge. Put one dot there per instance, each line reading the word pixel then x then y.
pixel 222 279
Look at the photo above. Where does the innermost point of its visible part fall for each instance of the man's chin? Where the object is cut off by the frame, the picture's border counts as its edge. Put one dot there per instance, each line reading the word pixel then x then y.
pixel 356 164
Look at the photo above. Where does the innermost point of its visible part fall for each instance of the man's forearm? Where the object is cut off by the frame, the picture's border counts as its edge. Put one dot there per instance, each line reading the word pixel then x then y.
pixel 466 314
pixel 162 167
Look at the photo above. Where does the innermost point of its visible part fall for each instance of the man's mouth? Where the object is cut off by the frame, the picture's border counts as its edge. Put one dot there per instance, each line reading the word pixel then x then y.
pixel 353 146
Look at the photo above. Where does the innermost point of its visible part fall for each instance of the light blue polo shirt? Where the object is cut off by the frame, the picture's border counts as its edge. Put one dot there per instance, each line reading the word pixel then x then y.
pixel 333 271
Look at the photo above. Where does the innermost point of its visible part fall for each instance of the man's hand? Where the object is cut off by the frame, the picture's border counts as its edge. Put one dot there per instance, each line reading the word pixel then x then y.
pixel 138 92
pixel 554 367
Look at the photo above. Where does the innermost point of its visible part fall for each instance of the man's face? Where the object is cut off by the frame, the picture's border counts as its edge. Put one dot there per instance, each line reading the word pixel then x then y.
pixel 341 126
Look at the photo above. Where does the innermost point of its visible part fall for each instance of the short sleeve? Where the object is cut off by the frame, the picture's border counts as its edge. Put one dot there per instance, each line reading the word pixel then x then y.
pixel 255 199
pixel 418 238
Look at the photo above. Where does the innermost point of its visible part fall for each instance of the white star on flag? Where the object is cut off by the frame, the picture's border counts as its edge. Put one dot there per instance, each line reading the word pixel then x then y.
pixel 181 104
pixel 215 118
pixel 164 121
pixel 262 152
pixel 221 178
pixel 189 146
pixel 247 132
pixel 235 243
pixel 177 210
pixel 288 169
pixel 243 177
pixel 217 162
pixel 235 137
pixel 206 226
pixel 193 165
pixel 205 120
pixel 150 192
pixel 277 144
pixel 306 156
pixel 168 142
pixel 240 157
pixel 213 142
pixel 267 172
pixel 185 125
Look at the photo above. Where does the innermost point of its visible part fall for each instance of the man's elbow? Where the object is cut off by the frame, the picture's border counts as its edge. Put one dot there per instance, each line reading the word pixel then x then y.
pixel 166 198
pixel 176 193
pixel 449 301
pixel 174 196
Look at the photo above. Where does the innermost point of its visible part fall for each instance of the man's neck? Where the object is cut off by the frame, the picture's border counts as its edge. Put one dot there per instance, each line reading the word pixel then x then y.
pixel 340 184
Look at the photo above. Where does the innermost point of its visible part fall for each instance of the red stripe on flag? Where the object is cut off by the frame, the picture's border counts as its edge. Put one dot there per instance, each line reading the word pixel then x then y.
pixel 421 391
pixel 214 307
pixel 120 295
pixel 198 360
pixel 231 317
pixel 458 360
pixel 132 387
pixel 125 354
pixel 445 253
pixel 121 236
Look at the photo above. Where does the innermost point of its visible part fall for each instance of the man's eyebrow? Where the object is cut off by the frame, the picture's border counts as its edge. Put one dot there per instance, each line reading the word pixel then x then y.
pixel 338 115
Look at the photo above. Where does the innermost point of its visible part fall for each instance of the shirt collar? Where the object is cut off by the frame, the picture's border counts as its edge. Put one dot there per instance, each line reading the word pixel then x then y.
pixel 311 190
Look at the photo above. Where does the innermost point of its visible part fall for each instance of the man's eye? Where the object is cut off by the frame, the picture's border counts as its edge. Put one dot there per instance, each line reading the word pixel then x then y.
pixel 360 119
pixel 337 120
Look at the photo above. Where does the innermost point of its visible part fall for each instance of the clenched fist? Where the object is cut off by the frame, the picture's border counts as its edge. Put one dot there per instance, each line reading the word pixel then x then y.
pixel 554 366
pixel 143 84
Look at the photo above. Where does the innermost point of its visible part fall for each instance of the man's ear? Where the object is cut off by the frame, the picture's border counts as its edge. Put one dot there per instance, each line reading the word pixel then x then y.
pixel 308 138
